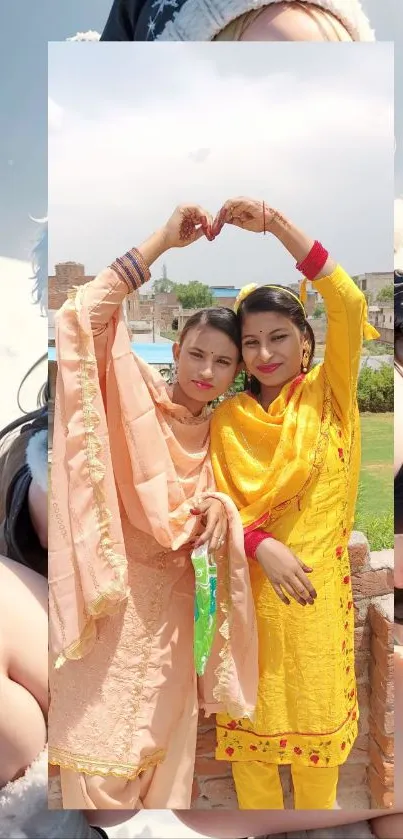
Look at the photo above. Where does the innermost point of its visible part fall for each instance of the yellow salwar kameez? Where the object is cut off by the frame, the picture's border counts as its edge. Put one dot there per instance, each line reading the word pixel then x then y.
pixel 293 470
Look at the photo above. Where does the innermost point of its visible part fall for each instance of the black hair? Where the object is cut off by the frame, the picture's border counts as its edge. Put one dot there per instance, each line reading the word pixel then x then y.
pixel 398 305
pixel 398 299
pixel 220 318
pixel 282 300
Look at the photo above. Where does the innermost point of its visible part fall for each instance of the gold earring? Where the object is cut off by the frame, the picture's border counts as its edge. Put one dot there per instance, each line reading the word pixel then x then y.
pixel 306 352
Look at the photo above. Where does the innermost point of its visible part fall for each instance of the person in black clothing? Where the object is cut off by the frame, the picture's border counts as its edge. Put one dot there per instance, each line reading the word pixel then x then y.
pixel 193 20
pixel 24 459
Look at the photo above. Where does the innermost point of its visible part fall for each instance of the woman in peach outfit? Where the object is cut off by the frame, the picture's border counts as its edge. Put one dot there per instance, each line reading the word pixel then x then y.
pixel 130 465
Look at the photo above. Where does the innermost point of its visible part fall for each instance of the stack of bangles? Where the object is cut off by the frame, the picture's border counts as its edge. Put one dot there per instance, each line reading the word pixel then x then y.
pixel 311 266
pixel 252 541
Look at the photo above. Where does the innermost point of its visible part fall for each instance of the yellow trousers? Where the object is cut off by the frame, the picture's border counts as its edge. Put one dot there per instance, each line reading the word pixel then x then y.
pixel 258 786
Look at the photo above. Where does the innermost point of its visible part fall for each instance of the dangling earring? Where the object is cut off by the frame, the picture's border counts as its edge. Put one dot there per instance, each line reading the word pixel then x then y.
pixel 306 352
pixel 248 381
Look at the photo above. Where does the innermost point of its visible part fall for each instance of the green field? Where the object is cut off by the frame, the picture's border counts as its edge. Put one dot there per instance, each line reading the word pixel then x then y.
pixel 374 514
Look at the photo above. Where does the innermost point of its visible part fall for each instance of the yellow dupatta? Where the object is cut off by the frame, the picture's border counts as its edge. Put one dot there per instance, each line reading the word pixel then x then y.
pixel 265 460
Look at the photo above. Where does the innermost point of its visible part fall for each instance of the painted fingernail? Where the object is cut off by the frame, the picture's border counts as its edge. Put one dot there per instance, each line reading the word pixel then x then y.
pixel 195 512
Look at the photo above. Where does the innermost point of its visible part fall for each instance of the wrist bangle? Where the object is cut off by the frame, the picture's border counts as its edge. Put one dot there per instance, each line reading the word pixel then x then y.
pixel 253 540
pixel 314 262
pixel 132 268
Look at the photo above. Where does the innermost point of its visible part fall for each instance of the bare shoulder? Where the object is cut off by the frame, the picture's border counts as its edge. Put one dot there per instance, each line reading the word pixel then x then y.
pixel 17 581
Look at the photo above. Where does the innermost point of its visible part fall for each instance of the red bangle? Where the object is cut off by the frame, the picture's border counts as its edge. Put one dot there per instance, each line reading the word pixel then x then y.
pixel 314 262
pixel 252 541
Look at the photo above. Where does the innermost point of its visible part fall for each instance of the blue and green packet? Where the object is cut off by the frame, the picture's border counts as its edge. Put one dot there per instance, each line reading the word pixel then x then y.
pixel 205 606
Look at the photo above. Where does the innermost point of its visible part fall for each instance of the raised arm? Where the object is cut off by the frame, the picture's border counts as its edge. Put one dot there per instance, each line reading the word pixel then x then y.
pixel 126 274
pixel 345 304
pixel 105 294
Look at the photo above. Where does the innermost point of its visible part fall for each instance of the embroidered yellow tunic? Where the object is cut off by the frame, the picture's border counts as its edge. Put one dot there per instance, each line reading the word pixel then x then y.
pixel 293 470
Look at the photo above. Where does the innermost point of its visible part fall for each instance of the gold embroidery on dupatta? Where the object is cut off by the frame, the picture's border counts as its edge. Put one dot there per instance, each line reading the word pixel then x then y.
pixel 90 766
pixel 108 601
pixel 223 690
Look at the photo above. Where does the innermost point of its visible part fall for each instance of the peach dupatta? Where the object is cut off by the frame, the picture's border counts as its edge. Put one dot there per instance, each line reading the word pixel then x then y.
pixel 122 448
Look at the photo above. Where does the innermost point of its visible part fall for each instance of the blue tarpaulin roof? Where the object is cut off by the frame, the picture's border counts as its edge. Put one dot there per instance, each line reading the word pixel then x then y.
pixel 233 292
pixel 151 353
pixel 224 292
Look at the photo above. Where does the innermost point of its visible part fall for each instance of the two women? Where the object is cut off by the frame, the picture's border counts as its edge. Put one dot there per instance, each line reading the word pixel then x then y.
pixel 286 452
pixel 131 469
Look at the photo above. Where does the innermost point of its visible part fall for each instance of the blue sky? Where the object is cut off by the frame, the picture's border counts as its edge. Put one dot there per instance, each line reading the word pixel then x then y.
pixel 25 28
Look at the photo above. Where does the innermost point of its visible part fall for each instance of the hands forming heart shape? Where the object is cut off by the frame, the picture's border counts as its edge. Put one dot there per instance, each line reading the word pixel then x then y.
pixel 190 222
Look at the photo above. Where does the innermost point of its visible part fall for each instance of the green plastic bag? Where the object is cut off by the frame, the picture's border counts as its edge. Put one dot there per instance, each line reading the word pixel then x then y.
pixel 205 606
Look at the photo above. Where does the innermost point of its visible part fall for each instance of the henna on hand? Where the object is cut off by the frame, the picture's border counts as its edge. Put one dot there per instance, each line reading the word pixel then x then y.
pixel 187 227
pixel 275 217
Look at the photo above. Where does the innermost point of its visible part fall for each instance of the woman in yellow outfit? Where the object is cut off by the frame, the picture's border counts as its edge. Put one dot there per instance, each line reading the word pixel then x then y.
pixel 287 451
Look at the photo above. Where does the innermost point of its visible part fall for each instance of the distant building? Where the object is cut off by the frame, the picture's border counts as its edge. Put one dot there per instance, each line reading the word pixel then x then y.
pixel 70 274
pixel 374 282
pixel 382 316
pixel 313 298
pixel 224 295
pixel 183 317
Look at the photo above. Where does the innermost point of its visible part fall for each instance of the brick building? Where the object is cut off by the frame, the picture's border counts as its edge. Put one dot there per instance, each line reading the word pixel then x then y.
pixel 373 282
pixel 66 276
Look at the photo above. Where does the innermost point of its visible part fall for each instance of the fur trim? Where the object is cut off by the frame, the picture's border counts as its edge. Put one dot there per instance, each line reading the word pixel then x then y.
pixel 37 459
pixel 85 36
pixel 202 20
pixel 22 800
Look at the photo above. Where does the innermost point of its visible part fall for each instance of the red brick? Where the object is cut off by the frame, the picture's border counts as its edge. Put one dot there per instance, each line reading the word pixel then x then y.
pixel 360 612
pixel 382 689
pixel 362 666
pixel 211 768
pixel 381 627
pixel 221 793
pixel 387 744
pixel 206 743
pixel 206 723
pixel 359 753
pixel 383 766
pixel 383 716
pixel 383 657
pixel 381 797
pixel 372 583
pixel 362 638
pixel 363 696
pixel 195 790
pixel 358 553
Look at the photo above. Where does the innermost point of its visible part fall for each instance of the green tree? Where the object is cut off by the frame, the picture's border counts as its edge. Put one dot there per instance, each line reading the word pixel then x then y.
pixel 194 295
pixel 319 311
pixel 385 295
pixel 163 286
pixel 375 389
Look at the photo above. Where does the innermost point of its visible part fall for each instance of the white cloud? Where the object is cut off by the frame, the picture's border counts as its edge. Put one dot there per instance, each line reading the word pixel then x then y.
pixel 125 157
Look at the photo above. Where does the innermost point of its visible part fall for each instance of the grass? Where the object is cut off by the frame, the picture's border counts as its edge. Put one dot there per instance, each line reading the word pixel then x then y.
pixel 374 513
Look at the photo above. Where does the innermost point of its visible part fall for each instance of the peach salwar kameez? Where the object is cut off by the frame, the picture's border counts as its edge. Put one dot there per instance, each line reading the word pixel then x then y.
pixel 128 464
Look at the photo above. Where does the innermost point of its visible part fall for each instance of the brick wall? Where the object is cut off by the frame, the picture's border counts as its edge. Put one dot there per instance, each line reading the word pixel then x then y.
pixel 367 777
